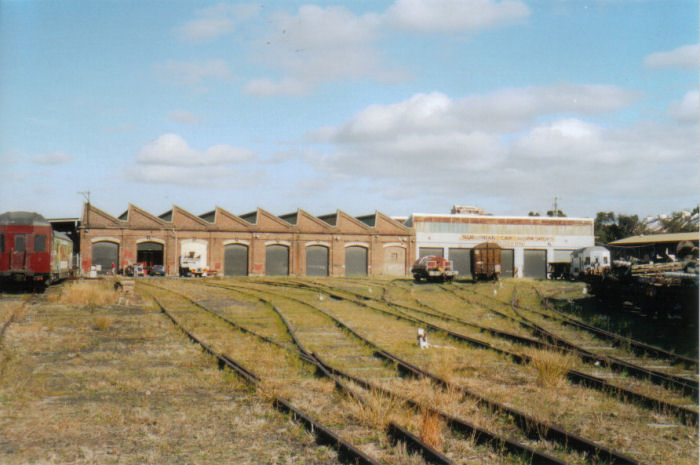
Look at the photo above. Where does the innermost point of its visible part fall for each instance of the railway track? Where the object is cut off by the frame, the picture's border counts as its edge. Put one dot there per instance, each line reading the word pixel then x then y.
pixel 639 348
pixel 286 383
pixel 317 334
pixel 599 353
pixel 617 370
pixel 436 320
pixel 570 438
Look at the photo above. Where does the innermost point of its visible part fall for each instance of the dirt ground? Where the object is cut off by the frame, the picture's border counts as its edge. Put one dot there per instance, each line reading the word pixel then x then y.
pixel 116 384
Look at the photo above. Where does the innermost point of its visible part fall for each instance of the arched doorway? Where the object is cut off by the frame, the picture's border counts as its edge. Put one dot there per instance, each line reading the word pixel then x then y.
pixel 317 260
pixel 236 260
pixel 149 254
pixel 355 261
pixel 277 260
pixel 105 256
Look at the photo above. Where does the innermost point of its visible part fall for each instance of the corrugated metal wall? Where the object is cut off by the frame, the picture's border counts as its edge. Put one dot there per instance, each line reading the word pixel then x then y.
pixel 461 260
pixel 355 261
pixel 316 260
pixel 277 260
pixel 535 263
pixel 236 260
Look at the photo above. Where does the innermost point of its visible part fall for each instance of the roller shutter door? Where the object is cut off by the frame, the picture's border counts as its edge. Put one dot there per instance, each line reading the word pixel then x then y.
pixel 461 260
pixel 507 263
pixel 104 254
pixel 277 260
pixel 535 265
pixel 425 251
pixel 395 261
pixel 316 260
pixel 236 260
pixel 355 261
pixel 562 256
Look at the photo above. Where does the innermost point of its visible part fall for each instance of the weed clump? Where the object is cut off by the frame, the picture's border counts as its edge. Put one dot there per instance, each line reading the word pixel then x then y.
pixel 551 367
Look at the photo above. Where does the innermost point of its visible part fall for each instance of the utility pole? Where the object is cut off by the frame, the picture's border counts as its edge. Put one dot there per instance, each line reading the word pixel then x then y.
pixel 86 196
pixel 556 210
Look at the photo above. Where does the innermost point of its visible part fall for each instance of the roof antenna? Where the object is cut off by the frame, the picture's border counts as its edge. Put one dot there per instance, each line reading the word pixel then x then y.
pixel 86 196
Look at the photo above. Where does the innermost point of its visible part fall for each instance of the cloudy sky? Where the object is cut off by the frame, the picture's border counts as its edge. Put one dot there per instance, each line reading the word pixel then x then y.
pixel 399 106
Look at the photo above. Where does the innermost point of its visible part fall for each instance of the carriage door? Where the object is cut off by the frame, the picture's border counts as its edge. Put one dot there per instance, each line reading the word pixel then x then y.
pixel 18 252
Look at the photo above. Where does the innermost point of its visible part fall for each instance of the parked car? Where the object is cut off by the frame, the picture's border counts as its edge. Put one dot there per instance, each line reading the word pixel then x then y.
pixel 136 269
pixel 157 270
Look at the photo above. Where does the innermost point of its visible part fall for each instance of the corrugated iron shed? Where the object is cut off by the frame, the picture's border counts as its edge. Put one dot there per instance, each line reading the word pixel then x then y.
pixel 656 238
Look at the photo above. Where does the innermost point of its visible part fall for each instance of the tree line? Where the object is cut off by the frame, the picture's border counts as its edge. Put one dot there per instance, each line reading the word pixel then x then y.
pixel 609 227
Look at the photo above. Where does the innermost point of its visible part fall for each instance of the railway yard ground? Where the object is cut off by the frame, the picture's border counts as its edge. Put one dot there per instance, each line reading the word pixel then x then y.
pixel 285 370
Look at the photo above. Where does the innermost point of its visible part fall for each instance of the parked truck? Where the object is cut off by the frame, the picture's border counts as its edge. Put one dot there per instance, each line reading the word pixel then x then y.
pixel 193 258
pixel 433 268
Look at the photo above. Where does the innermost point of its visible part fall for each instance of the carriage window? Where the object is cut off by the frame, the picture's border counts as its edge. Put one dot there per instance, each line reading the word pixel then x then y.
pixel 587 261
pixel 605 260
pixel 19 243
pixel 40 243
pixel 2 242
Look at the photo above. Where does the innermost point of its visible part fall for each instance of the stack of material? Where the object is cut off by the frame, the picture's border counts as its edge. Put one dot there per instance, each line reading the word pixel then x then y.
pixel 656 269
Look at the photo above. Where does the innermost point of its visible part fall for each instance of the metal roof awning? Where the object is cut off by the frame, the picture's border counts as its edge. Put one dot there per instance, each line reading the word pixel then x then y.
pixel 656 238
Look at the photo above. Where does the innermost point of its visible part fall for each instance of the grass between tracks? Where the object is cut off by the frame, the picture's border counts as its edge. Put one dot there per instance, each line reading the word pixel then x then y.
pixel 129 390
pixel 78 386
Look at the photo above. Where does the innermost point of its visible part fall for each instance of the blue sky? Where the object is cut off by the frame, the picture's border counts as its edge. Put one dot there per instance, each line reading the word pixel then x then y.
pixel 398 106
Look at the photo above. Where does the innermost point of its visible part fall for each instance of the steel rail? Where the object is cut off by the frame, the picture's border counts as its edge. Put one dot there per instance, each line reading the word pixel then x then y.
pixel 395 431
pixel 347 452
pixel 478 434
pixel 687 387
pixel 575 376
pixel 531 427
pixel 481 436
pixel 616 338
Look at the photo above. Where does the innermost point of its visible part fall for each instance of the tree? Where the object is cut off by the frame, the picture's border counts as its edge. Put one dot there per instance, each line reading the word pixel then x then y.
pixel 533 213
pixel 609 227
pixel 679 222
pixel 558 213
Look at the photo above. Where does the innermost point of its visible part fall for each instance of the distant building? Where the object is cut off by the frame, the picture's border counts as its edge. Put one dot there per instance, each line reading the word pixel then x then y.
pixel 256 243
pixel 529 244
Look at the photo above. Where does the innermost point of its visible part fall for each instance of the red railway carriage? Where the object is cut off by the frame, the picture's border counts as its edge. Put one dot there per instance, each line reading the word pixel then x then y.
pixel 30 251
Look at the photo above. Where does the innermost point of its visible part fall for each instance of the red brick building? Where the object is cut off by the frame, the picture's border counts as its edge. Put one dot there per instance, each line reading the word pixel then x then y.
pixel 257 243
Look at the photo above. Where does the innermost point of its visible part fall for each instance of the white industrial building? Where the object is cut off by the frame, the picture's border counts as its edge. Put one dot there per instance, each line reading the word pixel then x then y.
pixel 529 243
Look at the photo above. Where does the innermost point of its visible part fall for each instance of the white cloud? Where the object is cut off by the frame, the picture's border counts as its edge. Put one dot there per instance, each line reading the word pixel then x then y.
pixel 315 45
pixel 192 72
pixel 183 116
pixel 687 109
pixel 502 111
pixel 318 44
pixel 52 158
pixel 172 150
pixel 213 22
pixel 685 57
pixel 513 145
pixel 448 16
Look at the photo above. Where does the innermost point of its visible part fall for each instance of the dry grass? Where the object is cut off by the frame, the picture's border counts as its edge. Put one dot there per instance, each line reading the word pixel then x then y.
pixel 377 410
pixel 550 367
pixel 103 323
pixel 431 429
pixel 90 293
